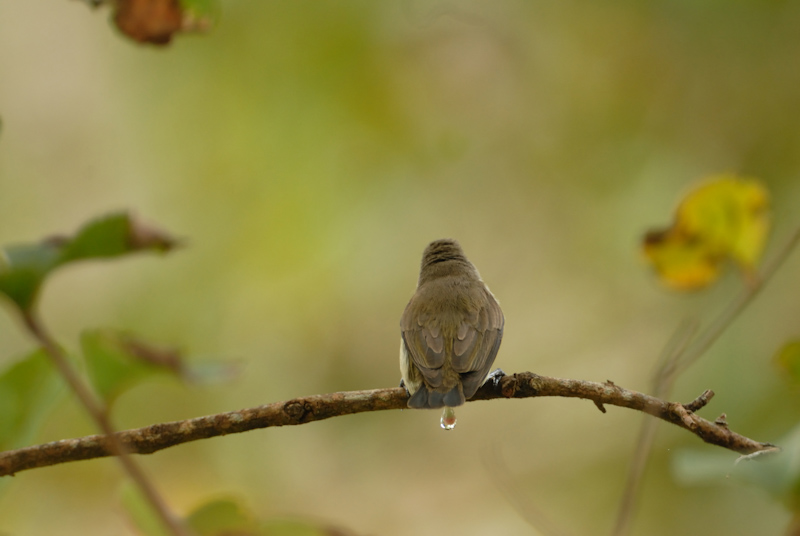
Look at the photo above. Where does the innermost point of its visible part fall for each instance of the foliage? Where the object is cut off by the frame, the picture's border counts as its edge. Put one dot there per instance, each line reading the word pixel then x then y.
pixel 788 361
pixel 778 474
pixel 222 517
pixel 24 268
pixel 29 389
pixel 727 218
pixel 309 147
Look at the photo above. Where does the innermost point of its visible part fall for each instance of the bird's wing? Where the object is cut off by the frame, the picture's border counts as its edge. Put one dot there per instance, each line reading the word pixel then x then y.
pixel 426 347
pixel 473 349
pixel 476 344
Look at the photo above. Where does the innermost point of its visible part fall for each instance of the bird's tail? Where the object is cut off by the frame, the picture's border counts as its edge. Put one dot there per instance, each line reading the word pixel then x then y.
pixel 424 398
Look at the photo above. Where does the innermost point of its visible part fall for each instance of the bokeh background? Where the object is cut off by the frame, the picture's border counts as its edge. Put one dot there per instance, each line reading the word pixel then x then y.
pixel 308 151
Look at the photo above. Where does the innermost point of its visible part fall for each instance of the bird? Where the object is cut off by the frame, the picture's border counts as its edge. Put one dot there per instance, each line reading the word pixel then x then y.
pixel 451 331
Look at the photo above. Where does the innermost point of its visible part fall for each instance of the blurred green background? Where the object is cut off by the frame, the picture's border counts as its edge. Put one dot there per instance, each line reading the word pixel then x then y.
pixel 308 151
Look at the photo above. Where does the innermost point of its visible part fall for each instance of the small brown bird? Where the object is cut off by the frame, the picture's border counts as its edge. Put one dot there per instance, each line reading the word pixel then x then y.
pixel 450 331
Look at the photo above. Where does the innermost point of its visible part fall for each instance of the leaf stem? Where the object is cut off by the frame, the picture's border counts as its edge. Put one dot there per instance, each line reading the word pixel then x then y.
pixel 99 414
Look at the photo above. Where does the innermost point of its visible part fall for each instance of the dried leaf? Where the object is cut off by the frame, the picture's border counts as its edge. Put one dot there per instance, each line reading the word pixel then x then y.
pixel 157 21
pixel 149 21
pixel 167 358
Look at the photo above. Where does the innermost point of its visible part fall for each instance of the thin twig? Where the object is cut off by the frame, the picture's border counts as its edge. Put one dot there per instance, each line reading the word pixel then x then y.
pixel 662 385
pixel 97 411
pixel 718 327
pixel 318 407
pixel 677 358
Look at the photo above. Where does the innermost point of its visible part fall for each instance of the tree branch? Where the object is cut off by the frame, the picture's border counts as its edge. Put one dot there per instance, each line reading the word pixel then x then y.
pixel 685 349
pixel 318 407
pixel 99 414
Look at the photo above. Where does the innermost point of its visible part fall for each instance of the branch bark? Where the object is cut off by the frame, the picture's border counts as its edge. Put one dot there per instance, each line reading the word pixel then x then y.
pixel 318 407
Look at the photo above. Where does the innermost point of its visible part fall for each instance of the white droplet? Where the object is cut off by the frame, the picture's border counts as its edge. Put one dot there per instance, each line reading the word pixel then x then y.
pixel 448 421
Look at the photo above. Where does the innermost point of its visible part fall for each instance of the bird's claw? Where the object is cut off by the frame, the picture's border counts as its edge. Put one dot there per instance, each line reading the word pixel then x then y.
pixel 495 376
pixel 403 385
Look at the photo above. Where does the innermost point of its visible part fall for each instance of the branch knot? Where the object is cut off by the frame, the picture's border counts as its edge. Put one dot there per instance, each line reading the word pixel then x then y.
pixel 295 410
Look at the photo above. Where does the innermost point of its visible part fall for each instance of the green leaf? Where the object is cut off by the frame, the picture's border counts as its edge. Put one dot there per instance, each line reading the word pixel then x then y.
pixel 200 15
pixel 118 361
pixel 28 391
pixel 223 516
pixel 293 527
pixel 219 517
pixel 103 238
pixel 778 473
pixel 24 268
pixel 788 360
pixel 140 512
pixel 692 467
pixel 113 236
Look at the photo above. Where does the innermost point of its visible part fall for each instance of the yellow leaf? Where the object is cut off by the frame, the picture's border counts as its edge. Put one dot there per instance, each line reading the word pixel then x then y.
pixel 680 263
pixel 730 215
pixel 727 217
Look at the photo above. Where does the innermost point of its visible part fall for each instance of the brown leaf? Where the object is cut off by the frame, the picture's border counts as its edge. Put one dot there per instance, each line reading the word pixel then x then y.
pixel 142 236
pixel 149 21
pixel 169 358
